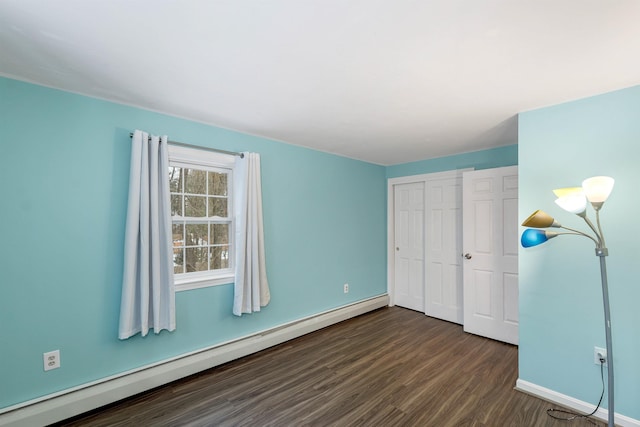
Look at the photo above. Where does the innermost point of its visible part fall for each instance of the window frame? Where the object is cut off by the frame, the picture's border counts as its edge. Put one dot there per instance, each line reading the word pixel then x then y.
pixel 203 159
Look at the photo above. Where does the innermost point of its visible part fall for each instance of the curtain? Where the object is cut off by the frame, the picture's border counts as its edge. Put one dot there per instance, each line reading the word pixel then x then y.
pixel 251 289
pixel 148 299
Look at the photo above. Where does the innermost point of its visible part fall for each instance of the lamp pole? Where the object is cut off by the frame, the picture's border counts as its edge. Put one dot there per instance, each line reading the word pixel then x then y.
pixel 602 253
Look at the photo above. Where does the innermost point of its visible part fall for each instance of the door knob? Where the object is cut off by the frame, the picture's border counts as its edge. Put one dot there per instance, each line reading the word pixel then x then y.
pixel 467 255
pixel 397 249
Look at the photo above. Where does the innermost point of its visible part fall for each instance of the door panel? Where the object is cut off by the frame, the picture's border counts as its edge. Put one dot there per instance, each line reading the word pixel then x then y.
pixel 443 245
pixel 409 245
pixel 490 223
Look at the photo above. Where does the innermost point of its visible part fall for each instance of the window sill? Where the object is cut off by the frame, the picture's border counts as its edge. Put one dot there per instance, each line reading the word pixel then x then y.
pixel 187 284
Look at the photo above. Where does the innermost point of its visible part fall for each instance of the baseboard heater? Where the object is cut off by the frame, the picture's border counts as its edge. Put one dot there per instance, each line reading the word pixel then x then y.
pixel 68 403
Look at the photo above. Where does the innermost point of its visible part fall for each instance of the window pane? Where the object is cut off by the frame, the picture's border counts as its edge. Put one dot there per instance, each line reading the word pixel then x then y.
pixel 194 206
pixel 176 205
pixel 217 184
pixel 219 257
pixel 219 234
pixel 218 206
pixel 178 260
pixel 196 235
pixel 195 181
pixel 196 259
pixel 175 179
pixel 178 235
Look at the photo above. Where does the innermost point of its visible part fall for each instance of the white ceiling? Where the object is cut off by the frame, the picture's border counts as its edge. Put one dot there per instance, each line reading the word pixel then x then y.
pixel 385 81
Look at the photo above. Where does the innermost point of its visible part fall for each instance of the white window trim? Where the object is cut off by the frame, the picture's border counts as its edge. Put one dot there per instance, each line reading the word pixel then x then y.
pixel 195 157
pixel 198 280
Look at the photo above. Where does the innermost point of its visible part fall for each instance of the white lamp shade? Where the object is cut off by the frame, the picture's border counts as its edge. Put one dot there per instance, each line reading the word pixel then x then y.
pixel 575 202
pixel 559 192
pixel 598 188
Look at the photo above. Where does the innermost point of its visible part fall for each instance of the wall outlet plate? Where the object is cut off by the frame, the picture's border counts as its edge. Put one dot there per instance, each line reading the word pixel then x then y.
pixel 596 352
pixel 51 360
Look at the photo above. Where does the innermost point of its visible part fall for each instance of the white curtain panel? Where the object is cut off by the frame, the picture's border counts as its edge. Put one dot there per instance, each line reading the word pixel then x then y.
pixel 148 299
pixel 251 289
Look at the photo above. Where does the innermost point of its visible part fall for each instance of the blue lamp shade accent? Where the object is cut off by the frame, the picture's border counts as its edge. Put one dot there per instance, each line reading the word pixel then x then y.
pixel 533 237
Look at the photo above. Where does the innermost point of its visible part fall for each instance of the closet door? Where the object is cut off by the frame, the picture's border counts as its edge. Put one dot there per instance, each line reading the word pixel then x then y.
pixel 409 245
pixel 490 203
pixel 443 246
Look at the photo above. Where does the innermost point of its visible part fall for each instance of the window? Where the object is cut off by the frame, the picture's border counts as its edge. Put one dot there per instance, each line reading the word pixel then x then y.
pixel 200 183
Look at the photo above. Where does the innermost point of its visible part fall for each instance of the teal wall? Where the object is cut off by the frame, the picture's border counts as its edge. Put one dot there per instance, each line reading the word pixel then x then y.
pixel 485 159
pixel 561 315
pixel 65 162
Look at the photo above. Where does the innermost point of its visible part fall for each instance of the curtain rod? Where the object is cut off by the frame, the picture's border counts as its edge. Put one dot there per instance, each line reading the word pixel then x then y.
pixel 182 144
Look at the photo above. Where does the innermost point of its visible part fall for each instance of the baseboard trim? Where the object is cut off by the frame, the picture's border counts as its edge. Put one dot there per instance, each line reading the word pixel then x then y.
pixel 72 402
pixel 572 403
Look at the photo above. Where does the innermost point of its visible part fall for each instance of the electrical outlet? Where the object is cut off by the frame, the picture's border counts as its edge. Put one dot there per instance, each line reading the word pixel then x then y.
pixel 597 351
pixel 345 288
pixel 51 360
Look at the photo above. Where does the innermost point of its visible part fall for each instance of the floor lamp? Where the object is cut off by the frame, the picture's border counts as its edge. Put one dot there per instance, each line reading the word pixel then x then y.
pixel 596 190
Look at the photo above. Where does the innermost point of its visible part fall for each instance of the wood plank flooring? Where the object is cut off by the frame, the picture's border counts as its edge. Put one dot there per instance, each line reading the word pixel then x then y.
pixel 390 367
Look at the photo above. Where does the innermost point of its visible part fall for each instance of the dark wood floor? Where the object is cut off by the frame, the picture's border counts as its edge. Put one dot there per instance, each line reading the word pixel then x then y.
pixel 391 367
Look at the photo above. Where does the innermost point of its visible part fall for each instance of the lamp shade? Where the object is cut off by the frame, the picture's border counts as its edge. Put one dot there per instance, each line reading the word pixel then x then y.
pixel 560 192
pixel 598 188
pixel 534 237
pixel 540 219
pixel 575 202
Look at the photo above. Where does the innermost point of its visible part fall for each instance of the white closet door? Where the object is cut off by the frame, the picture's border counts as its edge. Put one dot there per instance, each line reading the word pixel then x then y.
pixel 409 245
pixel 490 223
pixel 444 245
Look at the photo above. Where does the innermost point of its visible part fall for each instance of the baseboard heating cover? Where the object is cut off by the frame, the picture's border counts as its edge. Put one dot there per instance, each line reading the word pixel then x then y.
pixel 572 403
pixel 75 401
